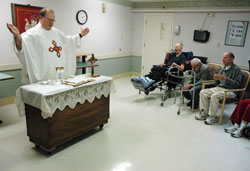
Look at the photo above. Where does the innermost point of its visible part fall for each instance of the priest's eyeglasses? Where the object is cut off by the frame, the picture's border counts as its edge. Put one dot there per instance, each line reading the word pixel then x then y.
pixel 50 20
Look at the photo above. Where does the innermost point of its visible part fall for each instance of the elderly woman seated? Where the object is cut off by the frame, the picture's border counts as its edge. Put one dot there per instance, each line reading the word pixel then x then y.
pixel 240 118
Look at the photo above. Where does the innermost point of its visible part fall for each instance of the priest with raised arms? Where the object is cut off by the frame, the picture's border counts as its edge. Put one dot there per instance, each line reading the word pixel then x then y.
pixel 43 48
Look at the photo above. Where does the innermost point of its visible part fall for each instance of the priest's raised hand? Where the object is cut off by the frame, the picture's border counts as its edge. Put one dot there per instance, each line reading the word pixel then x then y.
pixel 14 30
pixel 84 32
pixel 18 39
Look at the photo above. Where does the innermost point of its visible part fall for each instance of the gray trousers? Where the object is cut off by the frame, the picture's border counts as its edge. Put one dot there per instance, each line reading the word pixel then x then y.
pixel 189 94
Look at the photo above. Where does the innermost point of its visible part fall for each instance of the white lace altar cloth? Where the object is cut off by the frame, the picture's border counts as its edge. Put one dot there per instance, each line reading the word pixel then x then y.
pixel 49 98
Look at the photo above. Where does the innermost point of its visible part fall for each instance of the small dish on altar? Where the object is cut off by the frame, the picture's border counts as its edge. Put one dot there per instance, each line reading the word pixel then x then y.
pixel 43 82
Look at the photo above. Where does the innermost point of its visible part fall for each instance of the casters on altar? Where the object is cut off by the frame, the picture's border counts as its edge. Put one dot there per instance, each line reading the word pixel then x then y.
pixel 101 126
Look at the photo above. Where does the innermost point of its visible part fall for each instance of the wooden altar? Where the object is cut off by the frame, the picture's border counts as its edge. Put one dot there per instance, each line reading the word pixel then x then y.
pixel 65 125
pixel 47 126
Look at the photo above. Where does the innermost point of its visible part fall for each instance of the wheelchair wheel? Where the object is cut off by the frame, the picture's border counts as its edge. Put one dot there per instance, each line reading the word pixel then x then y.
pixel 246 132
pixel 178 113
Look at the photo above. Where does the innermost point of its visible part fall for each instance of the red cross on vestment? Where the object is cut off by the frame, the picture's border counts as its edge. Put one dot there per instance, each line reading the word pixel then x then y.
pixel 55 48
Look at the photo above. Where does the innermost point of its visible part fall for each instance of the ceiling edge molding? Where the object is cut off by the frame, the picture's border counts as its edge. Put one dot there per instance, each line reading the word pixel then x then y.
pixel 120 2
pixel 190 10
pixel 193 4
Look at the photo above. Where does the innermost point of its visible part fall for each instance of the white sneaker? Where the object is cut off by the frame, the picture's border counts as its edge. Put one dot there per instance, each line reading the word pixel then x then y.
pixel 203 116
pixel 230 129
pixel 237 133
pixel 211 120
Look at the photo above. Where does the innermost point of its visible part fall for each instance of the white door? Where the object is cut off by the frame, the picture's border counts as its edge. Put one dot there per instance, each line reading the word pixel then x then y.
pixel 158 31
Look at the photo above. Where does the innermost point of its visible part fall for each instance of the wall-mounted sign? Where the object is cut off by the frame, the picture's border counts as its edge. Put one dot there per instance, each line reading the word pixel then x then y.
pixel 236 33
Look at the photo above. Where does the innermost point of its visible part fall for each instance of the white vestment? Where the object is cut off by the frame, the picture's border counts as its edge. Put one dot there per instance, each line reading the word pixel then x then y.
pixel 44 50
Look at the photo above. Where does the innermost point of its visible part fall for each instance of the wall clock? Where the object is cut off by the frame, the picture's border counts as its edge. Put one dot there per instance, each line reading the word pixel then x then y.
pixel 81 17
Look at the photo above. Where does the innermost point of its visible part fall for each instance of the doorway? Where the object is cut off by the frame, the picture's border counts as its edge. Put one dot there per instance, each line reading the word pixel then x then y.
pixel 157 40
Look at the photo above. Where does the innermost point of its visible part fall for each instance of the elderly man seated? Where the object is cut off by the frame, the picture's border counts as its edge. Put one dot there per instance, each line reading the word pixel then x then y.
pixel 175 59
pixel 202 72
pixel 230 77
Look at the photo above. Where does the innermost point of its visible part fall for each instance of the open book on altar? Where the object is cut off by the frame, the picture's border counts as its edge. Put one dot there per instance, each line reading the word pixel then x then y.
pixel 76 81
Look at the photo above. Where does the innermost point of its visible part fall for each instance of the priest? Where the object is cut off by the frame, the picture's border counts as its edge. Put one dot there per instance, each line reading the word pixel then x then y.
pixel 43 48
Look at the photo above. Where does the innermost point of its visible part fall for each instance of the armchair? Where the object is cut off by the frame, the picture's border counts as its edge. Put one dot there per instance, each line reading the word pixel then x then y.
pixel 214 69
pixel 240 92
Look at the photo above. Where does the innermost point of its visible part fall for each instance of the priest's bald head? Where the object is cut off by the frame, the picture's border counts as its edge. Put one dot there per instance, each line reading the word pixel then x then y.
pixel 47 18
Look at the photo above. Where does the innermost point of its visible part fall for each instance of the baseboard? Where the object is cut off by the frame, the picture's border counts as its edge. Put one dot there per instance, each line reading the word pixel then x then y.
pixel 136 74
pixel 126 74
pixel 7 100
pixel 10 67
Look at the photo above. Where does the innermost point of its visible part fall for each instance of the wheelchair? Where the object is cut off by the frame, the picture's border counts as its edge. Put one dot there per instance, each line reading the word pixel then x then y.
pixel 169 81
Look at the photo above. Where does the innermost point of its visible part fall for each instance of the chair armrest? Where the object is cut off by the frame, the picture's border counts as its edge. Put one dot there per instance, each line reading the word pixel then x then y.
pixel 207 82
pixel 234 90
pixel 231 90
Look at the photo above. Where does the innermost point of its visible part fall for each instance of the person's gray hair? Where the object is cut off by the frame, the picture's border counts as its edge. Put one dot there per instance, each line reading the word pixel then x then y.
pixel 231 55
pixel 180 44
pixel 196 61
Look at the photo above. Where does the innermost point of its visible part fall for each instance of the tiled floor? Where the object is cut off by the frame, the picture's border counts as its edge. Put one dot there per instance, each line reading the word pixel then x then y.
pixel 140 136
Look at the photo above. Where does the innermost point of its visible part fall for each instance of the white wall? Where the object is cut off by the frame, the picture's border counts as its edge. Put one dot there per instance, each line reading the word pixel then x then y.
pixel 118 32
pixel 217 27
pixel 6 47
pixel 110 32
pixel 137 38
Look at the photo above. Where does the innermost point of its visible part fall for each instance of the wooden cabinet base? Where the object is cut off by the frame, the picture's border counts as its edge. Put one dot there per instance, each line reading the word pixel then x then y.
pixel 65 125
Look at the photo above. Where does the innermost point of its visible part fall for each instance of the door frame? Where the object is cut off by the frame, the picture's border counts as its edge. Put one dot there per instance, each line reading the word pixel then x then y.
pixel 144 35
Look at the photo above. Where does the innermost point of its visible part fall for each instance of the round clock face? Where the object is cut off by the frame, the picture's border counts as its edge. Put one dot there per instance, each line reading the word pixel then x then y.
pixel 81 17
